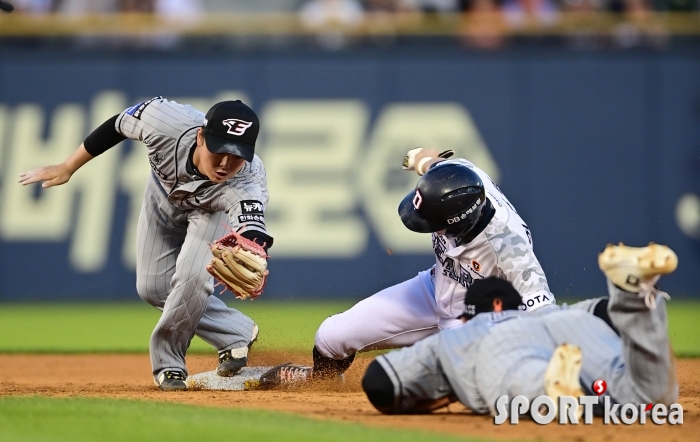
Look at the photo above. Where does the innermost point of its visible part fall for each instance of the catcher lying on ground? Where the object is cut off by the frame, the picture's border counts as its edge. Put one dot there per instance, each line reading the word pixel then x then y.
pixel 555 352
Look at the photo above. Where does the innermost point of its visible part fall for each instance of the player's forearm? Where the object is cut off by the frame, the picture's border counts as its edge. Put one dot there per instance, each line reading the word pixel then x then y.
pixel 428 164
pixel 77 159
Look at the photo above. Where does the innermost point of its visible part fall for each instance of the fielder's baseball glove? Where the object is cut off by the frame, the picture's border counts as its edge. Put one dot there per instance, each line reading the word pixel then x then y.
pixel 240 265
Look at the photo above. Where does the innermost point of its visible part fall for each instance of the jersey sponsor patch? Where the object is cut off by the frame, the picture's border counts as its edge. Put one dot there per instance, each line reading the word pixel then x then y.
pixel 249 207
pixel 136 110
pixel 248 219
pixel 476 266
pixel 252 212
pixel 535 301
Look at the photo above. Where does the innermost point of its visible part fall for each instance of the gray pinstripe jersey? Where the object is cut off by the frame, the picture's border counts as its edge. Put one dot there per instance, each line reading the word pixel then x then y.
pixel 507 353
pixel 168 130
pixel 456 352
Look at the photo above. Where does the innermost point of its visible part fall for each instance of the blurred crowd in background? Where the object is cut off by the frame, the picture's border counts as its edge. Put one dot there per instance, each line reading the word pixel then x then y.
pixel 349 10
pixel 485 24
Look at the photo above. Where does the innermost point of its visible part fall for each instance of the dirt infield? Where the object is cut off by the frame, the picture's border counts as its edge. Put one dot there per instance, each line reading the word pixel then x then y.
pixel 127 376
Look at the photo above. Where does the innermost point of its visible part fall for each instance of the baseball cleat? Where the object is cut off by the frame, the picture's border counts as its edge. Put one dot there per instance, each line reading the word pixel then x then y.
pixel 171 380
pixel 285 375
pixel 562 375
pixel 637 269
pixel 231 361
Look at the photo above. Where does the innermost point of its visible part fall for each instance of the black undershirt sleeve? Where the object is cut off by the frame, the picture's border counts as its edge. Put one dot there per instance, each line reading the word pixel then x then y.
pixel 259 237
pixel 103 138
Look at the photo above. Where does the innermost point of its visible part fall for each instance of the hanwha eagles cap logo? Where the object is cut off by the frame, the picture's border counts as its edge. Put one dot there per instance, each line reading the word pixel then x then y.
pixel 236 127
pixel 231 127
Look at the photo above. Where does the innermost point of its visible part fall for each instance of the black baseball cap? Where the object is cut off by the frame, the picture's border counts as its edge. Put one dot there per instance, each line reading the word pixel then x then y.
pixel 231 127
pixel 480 296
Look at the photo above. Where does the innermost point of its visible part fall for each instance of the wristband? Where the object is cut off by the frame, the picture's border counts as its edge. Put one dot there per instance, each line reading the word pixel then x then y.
pixel 421 163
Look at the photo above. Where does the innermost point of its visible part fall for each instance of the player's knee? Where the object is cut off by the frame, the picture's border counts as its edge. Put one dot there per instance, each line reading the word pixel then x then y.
pixel 149 293
pixel 379 389
pixel 601 311
pixel 331 340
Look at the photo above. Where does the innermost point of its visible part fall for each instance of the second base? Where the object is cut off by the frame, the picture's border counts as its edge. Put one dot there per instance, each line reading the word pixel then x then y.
pixel 246 379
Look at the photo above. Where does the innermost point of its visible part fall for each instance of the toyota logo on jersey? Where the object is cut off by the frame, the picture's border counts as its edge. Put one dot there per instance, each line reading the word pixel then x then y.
pixel 236 127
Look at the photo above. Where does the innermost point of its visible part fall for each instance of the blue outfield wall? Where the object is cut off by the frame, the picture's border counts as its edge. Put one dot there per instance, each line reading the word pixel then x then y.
pixel 591 148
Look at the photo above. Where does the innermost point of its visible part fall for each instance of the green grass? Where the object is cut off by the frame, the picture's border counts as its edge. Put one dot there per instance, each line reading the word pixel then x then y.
pixel 105 420
pixel 684 327
pixel 127 327
pixel 284 325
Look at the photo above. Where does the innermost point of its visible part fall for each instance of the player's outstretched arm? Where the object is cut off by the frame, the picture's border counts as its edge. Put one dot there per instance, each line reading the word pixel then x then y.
pixel 420 159
pixel 99 141
pixel 57 174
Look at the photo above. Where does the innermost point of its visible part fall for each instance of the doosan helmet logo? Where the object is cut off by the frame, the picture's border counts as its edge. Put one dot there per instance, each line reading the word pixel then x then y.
pixel 417 200
pixel 236 127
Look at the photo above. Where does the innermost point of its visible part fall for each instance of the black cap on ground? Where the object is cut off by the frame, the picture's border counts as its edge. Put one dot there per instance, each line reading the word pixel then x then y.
pixel 482 293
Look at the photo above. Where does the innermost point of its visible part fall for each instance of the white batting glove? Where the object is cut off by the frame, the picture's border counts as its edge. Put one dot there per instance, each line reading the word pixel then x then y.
pixel 409 161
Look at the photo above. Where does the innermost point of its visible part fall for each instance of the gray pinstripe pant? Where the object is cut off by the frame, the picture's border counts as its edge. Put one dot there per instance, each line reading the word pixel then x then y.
pixel 512 357
pixel 173 250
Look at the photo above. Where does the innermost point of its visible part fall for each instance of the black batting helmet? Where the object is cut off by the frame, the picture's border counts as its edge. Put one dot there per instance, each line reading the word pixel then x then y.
pixel 449 196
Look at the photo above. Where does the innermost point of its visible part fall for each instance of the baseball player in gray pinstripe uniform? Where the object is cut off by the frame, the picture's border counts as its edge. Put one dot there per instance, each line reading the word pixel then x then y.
pixel 553 351
pixel 204 173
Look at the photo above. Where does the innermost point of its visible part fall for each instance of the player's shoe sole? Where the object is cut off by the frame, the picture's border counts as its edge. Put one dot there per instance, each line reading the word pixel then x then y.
pixel 562 375
pixel 628 267
pixel 286 375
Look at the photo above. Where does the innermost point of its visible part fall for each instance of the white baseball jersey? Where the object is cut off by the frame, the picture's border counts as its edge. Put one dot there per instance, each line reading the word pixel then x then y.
pixel 502 249
pixel 405 313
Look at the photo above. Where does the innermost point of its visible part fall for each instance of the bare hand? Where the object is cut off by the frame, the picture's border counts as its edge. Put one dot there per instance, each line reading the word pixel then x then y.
pixel 50 175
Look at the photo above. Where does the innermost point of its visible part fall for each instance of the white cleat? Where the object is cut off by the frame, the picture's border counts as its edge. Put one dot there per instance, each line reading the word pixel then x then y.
pixel 562 375
pixel 637 269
